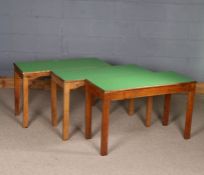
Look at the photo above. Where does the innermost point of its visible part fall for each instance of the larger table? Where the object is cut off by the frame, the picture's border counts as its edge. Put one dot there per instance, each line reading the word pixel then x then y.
pixel 126 82
pixel 26 71
pixel 119 83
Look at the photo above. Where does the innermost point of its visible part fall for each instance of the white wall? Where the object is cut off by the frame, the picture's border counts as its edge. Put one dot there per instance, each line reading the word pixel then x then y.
pixel 159 34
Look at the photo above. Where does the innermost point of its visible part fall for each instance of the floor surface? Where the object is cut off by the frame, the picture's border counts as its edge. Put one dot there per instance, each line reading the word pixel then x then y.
pixel 133 148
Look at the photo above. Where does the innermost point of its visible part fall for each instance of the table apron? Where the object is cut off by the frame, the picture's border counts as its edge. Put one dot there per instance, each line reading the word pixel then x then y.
pixel 154 91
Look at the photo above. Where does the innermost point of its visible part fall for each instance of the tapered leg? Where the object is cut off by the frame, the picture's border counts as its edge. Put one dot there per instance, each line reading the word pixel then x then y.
pixel 66 110
pixel 131 107
pixel 25 101
pixel 167 105
pixel 54 102
pixel 88 114
pixel 149 111
pixel 17 90
pixel 189 112
pixel 105 127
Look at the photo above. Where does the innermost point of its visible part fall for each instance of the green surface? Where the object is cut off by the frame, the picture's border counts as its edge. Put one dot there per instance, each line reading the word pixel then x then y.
pixel 140 80
pixel 108 78
pixel 68 64
pixel 123 77
pixel 108 71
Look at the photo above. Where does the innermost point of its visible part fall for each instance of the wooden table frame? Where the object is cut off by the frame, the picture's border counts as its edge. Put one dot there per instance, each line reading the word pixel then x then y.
pixel 24 79
pixel 67 86
pixel 108 96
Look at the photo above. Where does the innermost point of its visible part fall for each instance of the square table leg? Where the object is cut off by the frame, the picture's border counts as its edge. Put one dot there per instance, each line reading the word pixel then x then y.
pixel 88 115
pixel 167 106
pixel 17 91
pixel 105 126
pixel 25 101
pixel 189 112
pixel 66 110
pixel 131 106
pixel 54 102
pixel 149 111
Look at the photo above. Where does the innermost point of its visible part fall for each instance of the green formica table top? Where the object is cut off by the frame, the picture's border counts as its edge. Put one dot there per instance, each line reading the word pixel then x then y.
pixel 123 77
pixel 140 80
pixel 68 64
pixel 86 73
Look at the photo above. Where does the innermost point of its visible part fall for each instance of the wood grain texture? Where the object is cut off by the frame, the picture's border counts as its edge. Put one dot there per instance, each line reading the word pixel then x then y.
pixel 88 114
pixel 25 102
pixel 9 82
pixel 66 111
pixel 150 91
pixel 54 103
pixel 17 92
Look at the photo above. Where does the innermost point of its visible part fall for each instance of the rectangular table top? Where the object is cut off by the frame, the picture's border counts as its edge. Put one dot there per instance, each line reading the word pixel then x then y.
pixel 140 80
pixel 68 64
pixel 124 77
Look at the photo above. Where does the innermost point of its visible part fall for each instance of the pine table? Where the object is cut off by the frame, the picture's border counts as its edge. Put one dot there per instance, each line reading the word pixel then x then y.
pixel 26 71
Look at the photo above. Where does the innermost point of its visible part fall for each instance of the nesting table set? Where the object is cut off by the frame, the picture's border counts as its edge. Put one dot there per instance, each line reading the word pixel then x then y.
pixel 105 82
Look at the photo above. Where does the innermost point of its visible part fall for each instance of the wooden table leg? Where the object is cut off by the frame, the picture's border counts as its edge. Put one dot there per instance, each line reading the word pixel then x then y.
pixel 25 101
pixel 167 105
pixel 131 107
pixel 149 111
pixel 17 91
pixel 54 102
pixel 88 113
pixel 66 110
pixel 189 112
pixel 105 127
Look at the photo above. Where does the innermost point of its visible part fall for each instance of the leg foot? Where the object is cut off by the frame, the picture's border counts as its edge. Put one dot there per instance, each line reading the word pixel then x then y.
pixel 167 104
pixel 104 128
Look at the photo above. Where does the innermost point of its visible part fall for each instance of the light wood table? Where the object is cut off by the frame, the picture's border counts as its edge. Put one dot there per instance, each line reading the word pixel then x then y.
pixel 26 71
pixel 69 80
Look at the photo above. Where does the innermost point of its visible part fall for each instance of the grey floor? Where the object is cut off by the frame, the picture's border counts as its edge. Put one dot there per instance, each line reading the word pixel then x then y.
pixel 133 148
